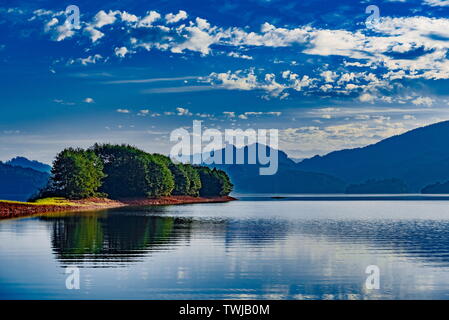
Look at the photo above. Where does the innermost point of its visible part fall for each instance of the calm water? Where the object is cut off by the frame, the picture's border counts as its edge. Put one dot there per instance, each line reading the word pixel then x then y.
pixel 254 249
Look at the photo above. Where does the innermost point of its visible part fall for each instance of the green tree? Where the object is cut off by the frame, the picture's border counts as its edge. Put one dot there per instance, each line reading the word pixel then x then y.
pixel 76 174
pixel 214 182
pixel 132 172
pixel 182 180
pixel 194 180
pixel 159 176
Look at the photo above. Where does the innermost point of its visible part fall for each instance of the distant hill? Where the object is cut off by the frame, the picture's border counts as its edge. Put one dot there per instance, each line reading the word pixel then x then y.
pixel 436 188
pixel 387 186
pixel 32 164
pixel 17 183
pixel 419 157
pixel 288 179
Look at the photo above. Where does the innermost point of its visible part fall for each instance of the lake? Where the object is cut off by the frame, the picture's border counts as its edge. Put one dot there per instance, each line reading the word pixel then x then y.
pixel 256 248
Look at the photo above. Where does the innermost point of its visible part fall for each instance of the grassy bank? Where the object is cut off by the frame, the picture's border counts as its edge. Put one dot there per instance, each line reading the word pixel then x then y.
pixel 14 209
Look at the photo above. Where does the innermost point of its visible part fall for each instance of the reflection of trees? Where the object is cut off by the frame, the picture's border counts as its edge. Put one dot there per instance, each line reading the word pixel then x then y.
pixel 119 236
pixel 102 239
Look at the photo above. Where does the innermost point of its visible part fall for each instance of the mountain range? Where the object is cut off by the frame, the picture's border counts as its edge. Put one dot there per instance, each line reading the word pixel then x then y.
pixel 418 157
pixel 20 183
pixel 405 163
pixel 32 164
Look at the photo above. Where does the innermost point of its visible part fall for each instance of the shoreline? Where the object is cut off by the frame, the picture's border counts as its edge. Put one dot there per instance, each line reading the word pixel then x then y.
pixel 15 209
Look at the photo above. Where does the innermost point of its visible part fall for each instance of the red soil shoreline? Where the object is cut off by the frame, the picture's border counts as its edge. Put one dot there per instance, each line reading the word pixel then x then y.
pixel 14 210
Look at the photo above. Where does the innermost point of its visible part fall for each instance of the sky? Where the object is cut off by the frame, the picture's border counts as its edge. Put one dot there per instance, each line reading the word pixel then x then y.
pixel 328 75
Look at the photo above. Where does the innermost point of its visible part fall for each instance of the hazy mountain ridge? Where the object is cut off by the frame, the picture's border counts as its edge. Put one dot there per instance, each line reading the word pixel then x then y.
pixel 419 157
pixel 288 179
pixel 18 183
pixel 26 163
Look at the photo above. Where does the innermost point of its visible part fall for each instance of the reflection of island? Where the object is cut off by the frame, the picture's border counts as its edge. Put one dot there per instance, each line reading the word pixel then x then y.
pixel 117 237
pixel 102 239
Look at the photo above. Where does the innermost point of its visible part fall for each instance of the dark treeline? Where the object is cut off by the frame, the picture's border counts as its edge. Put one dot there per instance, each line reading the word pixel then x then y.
pixel 124 171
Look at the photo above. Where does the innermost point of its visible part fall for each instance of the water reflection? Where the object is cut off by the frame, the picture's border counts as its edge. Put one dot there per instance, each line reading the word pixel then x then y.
pixel 114 238
pixel 268 250
pixel 111 240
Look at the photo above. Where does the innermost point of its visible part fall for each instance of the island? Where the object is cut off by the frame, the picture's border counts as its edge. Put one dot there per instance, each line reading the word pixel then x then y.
pixel 110 176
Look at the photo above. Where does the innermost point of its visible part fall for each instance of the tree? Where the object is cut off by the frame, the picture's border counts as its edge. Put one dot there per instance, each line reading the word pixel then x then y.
pixel 76 174
pixel 132 172
pixel 159 177
pixel 124 171
pixel 214 182
pixel 182 180
pixel 194 180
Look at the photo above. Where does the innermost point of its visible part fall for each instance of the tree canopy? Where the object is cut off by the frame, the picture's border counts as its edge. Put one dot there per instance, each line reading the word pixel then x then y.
pixel 214 182
pixel 76 174
pixel 124 171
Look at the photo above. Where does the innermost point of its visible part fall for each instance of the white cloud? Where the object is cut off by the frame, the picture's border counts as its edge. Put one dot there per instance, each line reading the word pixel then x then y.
pixel 379 48
pixel 329 76
pixel 149 19
pixel 239 55
pixel 93 33
pixel 198 40
pixel 183 112
pixel 127 17
pixel 437 3
pixel 121 52
pixel 123 111
pixel 88 60
pixel 102 18
pixel 143 112
pixel 89 100
pixel 230 114
pixel 246 80
pixel 423 101
pixel 366 97
pixel 174 18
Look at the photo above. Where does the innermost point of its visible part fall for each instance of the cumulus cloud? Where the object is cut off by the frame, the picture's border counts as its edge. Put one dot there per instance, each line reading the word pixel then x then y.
pixel 423 101
pixel 89 100
pixel 174 18
pixel 366 97
pixel 149 19
pixel 183 112
pixel 381 48
pixel 121 52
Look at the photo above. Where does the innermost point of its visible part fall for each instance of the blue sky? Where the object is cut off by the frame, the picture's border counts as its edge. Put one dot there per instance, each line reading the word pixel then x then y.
pixel 134 71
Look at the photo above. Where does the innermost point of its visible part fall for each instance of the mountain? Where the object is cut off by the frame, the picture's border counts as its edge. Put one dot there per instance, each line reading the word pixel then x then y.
pixel 418 157
pixel 17 183
pixel 288 179
pixel 32 164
